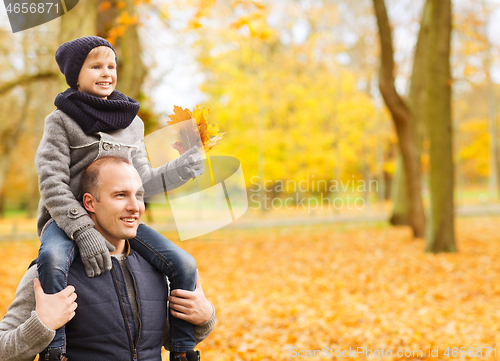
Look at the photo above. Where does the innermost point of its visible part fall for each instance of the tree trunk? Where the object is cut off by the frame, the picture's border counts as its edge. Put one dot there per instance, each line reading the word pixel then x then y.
pixel 493 165
pixel 12 141
pixel 73 25
pixel 416 103
pixel 131 70
pixel 399 195
pixel 440 231
pixel 131 63
pixel 402 120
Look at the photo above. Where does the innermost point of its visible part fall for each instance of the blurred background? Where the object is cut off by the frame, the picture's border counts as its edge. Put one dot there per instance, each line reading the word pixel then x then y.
pixel 367 132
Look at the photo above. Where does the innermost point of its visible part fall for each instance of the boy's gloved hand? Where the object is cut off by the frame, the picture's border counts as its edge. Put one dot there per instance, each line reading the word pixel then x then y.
pixel 94 251
pixel 189 165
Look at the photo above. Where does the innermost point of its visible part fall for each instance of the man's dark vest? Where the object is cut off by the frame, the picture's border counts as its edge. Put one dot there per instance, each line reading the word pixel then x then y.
pixel 100 331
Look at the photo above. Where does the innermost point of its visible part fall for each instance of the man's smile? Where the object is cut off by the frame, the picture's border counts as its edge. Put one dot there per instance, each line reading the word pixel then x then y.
pixel 129 220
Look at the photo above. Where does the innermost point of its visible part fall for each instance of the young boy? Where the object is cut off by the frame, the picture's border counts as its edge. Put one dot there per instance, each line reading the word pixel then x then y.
pixel 92 119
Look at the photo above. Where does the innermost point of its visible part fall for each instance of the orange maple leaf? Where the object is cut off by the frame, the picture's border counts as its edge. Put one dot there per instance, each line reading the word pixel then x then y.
pixel 179 115
pixel 208 133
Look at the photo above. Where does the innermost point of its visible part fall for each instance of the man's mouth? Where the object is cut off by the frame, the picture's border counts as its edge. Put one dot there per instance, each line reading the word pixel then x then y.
pixel 129 220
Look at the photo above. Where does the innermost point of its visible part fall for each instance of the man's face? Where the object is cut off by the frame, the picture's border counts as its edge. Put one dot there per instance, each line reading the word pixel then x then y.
pixel 98 75
pixel 119 205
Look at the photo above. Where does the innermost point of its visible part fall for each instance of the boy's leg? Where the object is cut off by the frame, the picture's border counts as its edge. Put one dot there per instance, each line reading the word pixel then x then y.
pixel 55 256
pixel 180 268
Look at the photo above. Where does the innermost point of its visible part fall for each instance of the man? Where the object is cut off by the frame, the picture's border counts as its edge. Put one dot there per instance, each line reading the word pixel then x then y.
pixel 121 314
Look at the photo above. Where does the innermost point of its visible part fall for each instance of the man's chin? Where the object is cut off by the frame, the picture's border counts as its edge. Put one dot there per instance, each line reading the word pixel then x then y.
pixel 130 234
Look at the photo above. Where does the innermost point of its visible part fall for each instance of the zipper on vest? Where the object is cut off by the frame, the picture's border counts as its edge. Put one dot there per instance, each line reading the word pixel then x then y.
pixel 138 310
pixel 134 351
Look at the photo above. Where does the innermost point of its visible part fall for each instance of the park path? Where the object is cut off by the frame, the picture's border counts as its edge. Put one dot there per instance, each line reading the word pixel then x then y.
pixel 246 222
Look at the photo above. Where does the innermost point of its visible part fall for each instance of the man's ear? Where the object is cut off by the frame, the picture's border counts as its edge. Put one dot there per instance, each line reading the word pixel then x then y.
pixel 88 202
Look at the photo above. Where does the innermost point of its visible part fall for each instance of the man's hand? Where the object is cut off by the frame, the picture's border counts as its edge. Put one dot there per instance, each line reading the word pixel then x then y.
pixel 191 306
pixel 54 310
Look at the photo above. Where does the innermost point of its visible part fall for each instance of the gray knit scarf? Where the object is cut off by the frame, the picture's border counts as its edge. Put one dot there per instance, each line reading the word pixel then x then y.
pixel 94 114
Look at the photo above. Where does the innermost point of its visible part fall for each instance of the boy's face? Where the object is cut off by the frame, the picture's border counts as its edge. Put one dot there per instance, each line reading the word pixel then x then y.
pixel 98 75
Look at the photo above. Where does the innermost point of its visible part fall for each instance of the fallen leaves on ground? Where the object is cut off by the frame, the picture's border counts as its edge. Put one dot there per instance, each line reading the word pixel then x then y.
pixel 311 288
pixel 284 290
pixel 15 257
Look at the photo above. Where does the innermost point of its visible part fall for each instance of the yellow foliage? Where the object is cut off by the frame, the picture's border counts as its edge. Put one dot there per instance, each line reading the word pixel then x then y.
pixel 203 7
pixel 246 3
pixel 105 5
pixel 123 21
pixel 193 24
pixel 126 19
pixel 290 117
pixel 115 33
pixel 256 24
pixel 473 148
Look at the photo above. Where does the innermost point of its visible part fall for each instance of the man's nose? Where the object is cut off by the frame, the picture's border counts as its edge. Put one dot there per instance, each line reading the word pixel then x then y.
pixel 133 204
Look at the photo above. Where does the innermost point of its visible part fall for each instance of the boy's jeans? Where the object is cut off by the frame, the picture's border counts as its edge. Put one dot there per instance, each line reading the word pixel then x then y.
pixel 57 252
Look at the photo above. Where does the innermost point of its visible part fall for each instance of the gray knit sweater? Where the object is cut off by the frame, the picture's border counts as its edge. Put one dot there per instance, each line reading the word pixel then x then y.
pixel 23 335
pixel 65 151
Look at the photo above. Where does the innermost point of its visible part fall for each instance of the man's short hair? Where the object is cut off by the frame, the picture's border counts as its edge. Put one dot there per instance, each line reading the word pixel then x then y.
pixel 90 181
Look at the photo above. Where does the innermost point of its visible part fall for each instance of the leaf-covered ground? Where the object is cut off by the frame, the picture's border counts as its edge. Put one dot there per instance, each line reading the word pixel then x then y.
pixel 283 293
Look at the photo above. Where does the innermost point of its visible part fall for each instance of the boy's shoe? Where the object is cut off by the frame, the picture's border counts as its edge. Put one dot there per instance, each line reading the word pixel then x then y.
pixel 185 356
pixel 52 354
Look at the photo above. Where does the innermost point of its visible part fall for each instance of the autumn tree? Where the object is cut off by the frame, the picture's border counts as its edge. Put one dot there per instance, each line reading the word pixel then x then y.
pixel 288 113
pixel 22 127
pixel 476 109
pixel 440 232
pixel 24 92
pixel 403 121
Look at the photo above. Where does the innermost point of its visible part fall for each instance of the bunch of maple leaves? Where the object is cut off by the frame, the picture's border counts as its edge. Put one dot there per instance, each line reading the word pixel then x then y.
pixel 198 132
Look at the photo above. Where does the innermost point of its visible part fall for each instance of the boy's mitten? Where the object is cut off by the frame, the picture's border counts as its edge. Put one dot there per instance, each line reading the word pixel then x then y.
pixel 94 251
pixel 188 165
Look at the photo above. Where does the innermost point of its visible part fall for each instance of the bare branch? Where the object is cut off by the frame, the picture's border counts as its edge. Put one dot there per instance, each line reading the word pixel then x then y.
pixel 26 79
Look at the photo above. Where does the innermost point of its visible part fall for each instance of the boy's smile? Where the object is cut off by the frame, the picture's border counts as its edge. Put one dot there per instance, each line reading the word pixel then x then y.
pixel 98 75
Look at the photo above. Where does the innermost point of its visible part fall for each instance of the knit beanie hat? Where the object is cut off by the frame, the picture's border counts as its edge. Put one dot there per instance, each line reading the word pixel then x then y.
pixel 71 55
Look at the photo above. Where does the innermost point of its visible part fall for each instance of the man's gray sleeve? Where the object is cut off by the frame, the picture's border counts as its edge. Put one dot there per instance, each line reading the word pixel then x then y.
pixel 22 334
